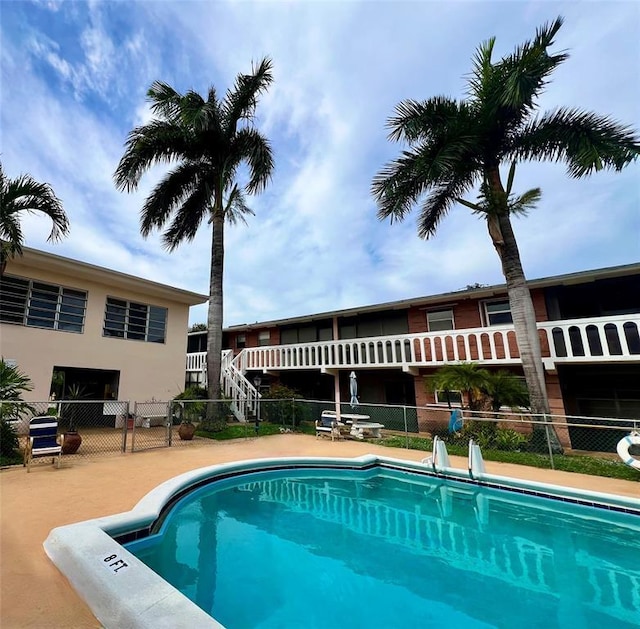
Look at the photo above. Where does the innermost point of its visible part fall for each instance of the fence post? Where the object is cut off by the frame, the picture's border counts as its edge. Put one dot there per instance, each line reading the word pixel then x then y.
pixel 125 419
pixel 133 428
pixel 546 430
pixel 406 429
pixel 170 423
pixel 293 413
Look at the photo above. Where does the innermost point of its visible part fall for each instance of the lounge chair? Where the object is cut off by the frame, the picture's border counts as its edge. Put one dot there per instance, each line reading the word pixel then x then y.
pixel 42 440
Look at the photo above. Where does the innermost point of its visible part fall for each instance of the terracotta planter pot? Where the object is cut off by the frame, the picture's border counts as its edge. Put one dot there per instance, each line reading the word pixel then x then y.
pixel 71 442
pixel 186 431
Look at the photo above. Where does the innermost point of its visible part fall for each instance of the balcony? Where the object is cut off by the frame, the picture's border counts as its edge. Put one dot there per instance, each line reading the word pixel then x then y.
pixel 613 339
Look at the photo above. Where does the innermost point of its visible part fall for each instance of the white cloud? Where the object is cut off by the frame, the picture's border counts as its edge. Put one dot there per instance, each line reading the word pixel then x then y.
pixel 315 243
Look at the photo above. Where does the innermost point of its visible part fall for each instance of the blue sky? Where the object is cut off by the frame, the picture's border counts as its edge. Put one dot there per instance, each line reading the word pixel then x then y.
pixel 74 78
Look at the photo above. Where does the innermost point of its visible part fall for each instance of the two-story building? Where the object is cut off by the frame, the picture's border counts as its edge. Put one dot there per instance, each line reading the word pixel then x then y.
pixel 66 322
pixel 588 324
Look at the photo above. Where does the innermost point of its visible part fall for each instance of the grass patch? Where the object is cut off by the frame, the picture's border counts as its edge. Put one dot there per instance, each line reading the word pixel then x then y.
pixel 567 463
pixel 240 431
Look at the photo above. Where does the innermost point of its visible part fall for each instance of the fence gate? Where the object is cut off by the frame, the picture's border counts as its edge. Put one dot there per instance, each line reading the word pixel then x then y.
pixel 150 426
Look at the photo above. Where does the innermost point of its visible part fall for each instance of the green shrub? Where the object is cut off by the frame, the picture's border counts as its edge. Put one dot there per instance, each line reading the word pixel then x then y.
pixel 509 440
pixel 280 407
pixel 13 383
pixel 193 392
pixel 487 435
pixel 9 444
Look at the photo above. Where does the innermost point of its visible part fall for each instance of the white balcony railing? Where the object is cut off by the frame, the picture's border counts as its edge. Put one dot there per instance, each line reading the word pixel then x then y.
pixel 599 339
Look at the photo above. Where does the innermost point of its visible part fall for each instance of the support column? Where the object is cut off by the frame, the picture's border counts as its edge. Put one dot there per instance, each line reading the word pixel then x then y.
pixel 336 392
pixel 336 375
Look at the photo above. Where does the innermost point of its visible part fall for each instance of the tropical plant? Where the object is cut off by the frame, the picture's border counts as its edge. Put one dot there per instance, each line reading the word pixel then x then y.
pixel 13 384
pixel 209 140
pixel 469 378
pixel 198 327
pixel 25 194
pixel 190 405
pixel 455 145
pixel 75 392
pixel 504 388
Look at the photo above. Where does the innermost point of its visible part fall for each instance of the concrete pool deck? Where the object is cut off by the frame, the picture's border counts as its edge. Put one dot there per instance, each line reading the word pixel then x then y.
pixel 36 595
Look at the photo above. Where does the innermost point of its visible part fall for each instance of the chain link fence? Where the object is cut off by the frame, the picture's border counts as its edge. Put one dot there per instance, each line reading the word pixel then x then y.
pixel 547 439
pixel 91 428
pixel 87 428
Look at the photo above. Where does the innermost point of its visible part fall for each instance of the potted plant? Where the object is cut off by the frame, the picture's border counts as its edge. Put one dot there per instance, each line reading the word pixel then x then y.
pixel 71 439
pixel 187 408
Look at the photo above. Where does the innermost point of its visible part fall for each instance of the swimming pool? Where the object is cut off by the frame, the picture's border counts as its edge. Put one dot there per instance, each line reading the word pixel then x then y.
pixel 373 542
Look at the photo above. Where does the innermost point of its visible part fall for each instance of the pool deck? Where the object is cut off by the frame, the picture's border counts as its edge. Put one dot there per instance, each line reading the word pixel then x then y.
pixel 34 592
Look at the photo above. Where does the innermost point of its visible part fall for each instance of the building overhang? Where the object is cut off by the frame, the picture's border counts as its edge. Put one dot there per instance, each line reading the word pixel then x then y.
pixel 41 260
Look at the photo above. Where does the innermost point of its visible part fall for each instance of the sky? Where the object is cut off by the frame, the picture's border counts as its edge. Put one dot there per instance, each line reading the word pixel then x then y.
pixel 74 77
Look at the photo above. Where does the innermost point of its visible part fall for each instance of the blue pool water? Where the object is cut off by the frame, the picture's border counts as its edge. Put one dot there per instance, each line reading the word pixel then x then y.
pixel 328 549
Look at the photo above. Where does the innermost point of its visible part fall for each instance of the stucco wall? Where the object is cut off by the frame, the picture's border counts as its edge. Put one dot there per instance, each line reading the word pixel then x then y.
pixel 147 370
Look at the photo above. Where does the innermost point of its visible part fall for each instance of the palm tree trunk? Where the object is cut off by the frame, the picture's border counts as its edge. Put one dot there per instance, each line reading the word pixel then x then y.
pixel 524 322
pixel 521 305
pixel 214 318
pixel 524 317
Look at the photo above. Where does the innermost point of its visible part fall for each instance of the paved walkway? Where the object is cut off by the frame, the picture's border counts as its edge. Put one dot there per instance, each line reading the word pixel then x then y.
pixel 35 595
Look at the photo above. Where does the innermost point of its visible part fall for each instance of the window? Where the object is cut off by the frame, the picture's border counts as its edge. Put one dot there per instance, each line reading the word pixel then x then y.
pixel 241 341
pixel 39 305
pixel 454 398
pixel 129 320
pixel 497 312
pixel 264 338
pixel 440 320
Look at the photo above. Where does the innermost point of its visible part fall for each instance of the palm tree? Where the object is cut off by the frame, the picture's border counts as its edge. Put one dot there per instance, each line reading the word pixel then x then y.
pixel 25 194
pixel 209 140
pixel 469 378
pixel 504 388
pixel 454 145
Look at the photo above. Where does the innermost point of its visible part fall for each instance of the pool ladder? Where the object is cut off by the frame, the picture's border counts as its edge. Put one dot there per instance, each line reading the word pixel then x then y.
pixel 439 459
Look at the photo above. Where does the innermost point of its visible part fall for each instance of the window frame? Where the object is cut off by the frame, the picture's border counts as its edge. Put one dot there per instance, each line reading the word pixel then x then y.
pixel 241 341
pixel 440 311
pixel 43 302
pixel 487 315
pixel 449 402
pixel 131 324
pixel 261 338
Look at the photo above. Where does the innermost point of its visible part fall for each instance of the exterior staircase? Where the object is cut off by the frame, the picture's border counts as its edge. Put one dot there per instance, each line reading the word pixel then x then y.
pixel 243 395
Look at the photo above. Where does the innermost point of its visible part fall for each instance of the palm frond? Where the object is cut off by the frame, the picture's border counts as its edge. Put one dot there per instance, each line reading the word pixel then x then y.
pixel 240 102
pixel 510 177
pixel 586 141
pixel 525 72
pixel 236 207
pixel 165 101
pixel 401 183
pixel 188 217
pixel 156 142
pixel 193 111
pixel 11 236
pixel 521 205
pixel 439 202
pixel 251 146
pixel 25 194
pixel 480 78
pixel 422 120
pixel 170 194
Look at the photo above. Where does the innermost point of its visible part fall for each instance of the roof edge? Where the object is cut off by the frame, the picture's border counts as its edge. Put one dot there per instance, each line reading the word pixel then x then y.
pixel 70 266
